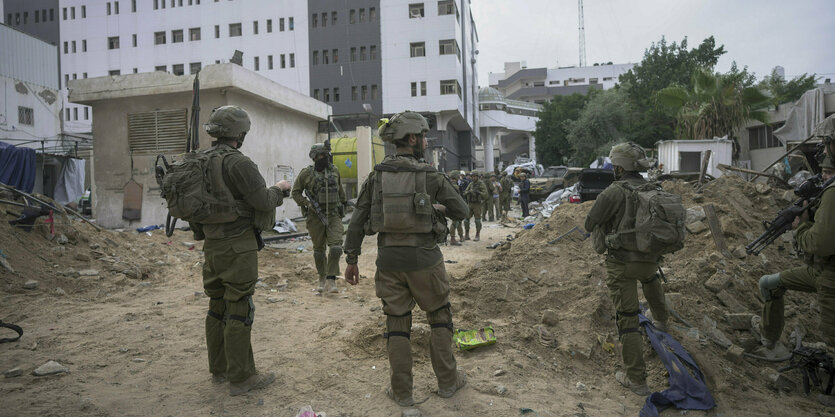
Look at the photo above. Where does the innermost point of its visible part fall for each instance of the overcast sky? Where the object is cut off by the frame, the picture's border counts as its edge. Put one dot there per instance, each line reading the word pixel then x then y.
pixel 798 35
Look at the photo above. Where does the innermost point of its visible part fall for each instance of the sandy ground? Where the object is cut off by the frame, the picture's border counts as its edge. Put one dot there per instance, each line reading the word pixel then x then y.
pixel 132 336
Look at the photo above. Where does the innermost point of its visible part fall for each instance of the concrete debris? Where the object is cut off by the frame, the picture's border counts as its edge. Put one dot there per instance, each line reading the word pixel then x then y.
pixel 14 372
pixel 779 381
pixel 410 412
pixel 82 257
pixel 581 386
pixel 62 239
pixel 189 245
pixel 718 282
pixel 739 321
pixel 694 214
pixel 6 264
pixel 550 318
pixel 501 389
pixel 696 227
pixel 60 292
pixel 739 252
pixel 731 302
pixel 50 368
pixel 88 273
pixel 734 354
pixel 499 372
pixel 762 188
pixel 30 285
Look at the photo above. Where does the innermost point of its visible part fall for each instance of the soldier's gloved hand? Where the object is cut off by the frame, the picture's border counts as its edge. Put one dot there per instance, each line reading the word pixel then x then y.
pixel 352 274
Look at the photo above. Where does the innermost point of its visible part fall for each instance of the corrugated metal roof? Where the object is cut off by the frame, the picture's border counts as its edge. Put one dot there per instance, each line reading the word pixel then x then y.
pixel 26 58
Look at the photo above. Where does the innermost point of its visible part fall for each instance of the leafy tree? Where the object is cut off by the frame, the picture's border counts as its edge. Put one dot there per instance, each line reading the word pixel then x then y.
pixel 600 124
pixel 714 105
pixel 551 142
pixel 783 91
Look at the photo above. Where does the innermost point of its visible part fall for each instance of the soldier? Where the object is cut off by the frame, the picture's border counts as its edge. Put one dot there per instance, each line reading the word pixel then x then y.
pixel 455 176
pixel 488 202
pixel 625 268
pixel 320 185
pixel 506 194
pixel 230 270
pixel 815 237
pixel 476 195
pixel 398 201
pixel 495 206
pixel 524 194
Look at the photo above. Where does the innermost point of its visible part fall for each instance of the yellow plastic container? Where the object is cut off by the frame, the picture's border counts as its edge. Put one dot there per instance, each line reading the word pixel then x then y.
pixel 344 151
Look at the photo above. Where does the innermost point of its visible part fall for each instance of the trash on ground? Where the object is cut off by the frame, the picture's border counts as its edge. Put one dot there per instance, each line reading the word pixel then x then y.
pixel 471 339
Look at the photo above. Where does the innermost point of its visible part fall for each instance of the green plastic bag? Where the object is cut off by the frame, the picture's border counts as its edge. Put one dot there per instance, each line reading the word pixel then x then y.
pixel 471 339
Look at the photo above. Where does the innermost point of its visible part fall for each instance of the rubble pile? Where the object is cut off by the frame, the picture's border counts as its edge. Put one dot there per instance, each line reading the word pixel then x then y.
pixel 543 296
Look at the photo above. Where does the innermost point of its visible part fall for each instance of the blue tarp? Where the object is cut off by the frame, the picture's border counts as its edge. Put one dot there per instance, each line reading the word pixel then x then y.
pixel 687 389
pixel 18 167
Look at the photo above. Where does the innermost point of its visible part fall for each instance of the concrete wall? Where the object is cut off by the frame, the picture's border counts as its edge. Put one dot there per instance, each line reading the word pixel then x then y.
pixel 45 30
pixel 721 153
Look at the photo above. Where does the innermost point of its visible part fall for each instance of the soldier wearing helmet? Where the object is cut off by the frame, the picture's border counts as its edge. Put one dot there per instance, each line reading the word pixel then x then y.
pixel 457 227
pixel 398 202
pixel 626 268
pixel 506 194
pixel 814 233
pixel 318 190
pixel 230 270
pixel 476 195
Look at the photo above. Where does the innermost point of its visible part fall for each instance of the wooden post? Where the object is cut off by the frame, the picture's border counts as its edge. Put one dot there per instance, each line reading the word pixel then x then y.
pixel 705 161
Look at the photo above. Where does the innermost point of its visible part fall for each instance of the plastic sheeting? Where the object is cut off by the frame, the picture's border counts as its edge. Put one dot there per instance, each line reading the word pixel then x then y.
pixel 18 167
pixel 70 185
pixel 807 112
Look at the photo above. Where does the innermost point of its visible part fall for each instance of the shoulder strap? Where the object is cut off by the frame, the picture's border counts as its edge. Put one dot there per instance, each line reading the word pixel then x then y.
pixel 14 327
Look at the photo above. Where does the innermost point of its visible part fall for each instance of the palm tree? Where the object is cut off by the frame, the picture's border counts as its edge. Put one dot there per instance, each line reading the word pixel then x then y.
pixel 714 107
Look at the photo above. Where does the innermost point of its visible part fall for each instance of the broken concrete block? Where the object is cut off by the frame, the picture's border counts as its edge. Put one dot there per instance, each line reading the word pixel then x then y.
pixel 718 282
pixel 696 227
pixel 50 368
pixel 734 354
pixel 763 188
pixel 740 252
pixel 739 321
pixel 694 214
pixel 788 196
pixel 730 301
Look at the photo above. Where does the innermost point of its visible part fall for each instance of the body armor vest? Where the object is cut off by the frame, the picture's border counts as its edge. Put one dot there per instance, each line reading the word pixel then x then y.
pixel 401 209
pixel 325 186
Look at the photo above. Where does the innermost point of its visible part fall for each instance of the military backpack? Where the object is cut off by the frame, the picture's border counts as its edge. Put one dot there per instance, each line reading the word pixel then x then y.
pixel 653 222
pixel 195 191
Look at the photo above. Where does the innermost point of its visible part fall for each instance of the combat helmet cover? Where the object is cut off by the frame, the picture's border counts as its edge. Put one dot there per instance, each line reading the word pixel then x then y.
pixel 455 175
pixel 630 156
pixel 316 149
pixel 227 122
pixel 402 125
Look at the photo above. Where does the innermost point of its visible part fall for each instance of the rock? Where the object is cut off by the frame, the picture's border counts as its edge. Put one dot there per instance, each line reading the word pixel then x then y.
pixel 261 284
pixel 674 300
pixel 762 188
pixel 730 301
pixel 88 273
pixel 137 360
pixel 59 251
pixel 694 214
pixel 581 386
pixel 764 261
pixel 740 252
pixel 698 198
pixel 788 196
pixel 282 285
pixel 82 257
pixel 144 284
pixel 11 373
pixel 410 412
pixel 550 318
pixel 94 246
pixel 715 334
pixel 375 308
pixel 739 321
pixel 718 282
pixel 499 372
pixel 274 299
pixel 734 354
pixel 50 368
pixel 696 227
pixel 62 239
pixel 30 285
pixel 123 350
pixel 779 381
pixel 501 389
pixel 189 245
pixel 60 292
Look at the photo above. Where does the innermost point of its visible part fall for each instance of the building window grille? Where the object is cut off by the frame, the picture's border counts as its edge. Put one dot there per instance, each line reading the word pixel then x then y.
pixel 362 53
pixel 115 72
pixel 74 49
pixel 72 13
pixel 235 29
pixel 254 27
pixel 281 24
pixel 373 52
pixel 162 68
pixel 159 131
pixel 449 47
pixel 269 62
pixel 292 60
pixel 83 12
pixel 450 87
pixel 325 58
pixel 269 26
pixel 324 20
pixel 113 42
pixel 282 62
pixel 364 92
pixel 315 57
pixel 159 38
pixel 762 137
pixel 326 95
pixel 336 94
pixel 353 54
pixel 256 63
pixel 362 15
pixel 423 88
pixel 178 69
pixel 354 93
pixel 176 36
pixel 75 113
pixel 372 14
pixel 290 25
pixel 417 49
pixel 194 67
pixel 414 89
pixel 194 34
pixel 108 8
pixel 115 8
pixel 316 93
pixel 333 23
pixel 25 115
pixel 415 10
pixel 352 16
pixel 335 55
pixel 133 6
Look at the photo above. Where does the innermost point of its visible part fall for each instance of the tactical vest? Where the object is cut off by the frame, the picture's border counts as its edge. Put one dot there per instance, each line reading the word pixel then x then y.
pixel 325 186
pixel 401 209
pixel 827 262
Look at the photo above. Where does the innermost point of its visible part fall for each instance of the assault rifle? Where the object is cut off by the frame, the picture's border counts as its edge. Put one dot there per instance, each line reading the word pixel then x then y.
pixel 809 191
pixel 317 208
pixel 808 361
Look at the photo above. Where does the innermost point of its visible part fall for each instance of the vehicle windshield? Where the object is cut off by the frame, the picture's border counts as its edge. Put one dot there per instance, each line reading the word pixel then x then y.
pixel 554 172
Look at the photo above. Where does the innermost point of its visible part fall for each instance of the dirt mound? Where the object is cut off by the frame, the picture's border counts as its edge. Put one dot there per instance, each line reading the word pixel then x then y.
pixel 551 299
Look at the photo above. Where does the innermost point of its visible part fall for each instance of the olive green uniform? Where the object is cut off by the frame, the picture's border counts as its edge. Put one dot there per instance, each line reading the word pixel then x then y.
pixel 456 224
pixel 624 270
pixel 476 195
pixel 410 270
pixel 230 270
pixel 817 240
pixel 326 188
pixel 488 213
pixel 505 194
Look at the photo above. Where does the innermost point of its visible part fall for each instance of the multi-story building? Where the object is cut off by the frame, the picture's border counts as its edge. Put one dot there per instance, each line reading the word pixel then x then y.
pixel 538 85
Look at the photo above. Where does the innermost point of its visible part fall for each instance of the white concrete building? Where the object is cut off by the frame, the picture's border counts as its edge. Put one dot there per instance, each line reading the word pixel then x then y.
pixel 538 85
pixel 507 128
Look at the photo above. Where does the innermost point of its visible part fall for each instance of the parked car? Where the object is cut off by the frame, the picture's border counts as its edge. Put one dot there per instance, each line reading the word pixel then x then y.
pixel 590 183
pixel 552 179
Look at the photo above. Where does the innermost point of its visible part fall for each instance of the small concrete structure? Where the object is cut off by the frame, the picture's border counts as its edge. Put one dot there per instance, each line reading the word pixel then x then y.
pixel 284 126
pixel 686 155
pixel 507 128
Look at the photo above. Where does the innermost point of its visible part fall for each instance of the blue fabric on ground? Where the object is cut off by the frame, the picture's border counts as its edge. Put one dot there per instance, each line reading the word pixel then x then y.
pixel 18 167
pixel 687 390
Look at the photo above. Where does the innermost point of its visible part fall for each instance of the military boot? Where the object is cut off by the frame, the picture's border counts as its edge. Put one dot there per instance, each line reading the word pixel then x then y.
pixel 638 388
pixel 459 383
pixel 331 285
pixel 477 236
pixel 467 236
pixel 453 242
pixel 252 383
pixel 321 287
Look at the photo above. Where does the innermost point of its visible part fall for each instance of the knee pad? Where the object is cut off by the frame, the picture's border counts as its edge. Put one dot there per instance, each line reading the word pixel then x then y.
pixel 335 250
pixel 398 326
pixel 768 285
pixel 242 310
pixel 319 254
pixel 440 318
pixel 627 322
pixel 217 307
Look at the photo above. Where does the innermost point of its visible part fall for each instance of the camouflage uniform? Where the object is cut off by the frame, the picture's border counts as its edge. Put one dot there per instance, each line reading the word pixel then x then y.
pixel 506 194
pixel 456 224
pixel 487 205
pixel 476 195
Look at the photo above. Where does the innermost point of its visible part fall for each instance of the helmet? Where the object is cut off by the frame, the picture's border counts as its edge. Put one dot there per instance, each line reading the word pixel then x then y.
pixel 475 174
pixel 826 130
pixel 455 175
pixel 227 122
pixel 401 125
pixel 630 157
pixel 827 163
pixel 316 149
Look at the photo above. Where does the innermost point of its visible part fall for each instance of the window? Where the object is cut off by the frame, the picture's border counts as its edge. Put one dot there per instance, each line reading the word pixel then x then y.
pixel 37 17
pixel 362 53
pixel 156 4
pixel 315 57
pixel 176 36
pixel 414 89
pixel 269 26
pixel 65 16
pixel 335 54
pixel 25 116
pixel 324 19
pixel 352 16
pixel 75 112
pixel 133 40
pixel 66 79
pixel 83 12
pixel 113 42
pixel 159 38
pixel 417 49
pixel 373 50
pixel 325 59
pixel 72 13
pixel 26 16
pixel 374 91
pixel 177 69
pixel 234 29
pixel 423 88
pixel 51 15
pixel 281 61
pixel 74 49
pixel 67 112
pixel 450 87
pixel 86 113
pixel 364 90
pixel 66 47
pixel 292 60
pixel 115 7
pixel 354 93
pixel 217 31
pixel 281 24
pixel 336 94
pixel 256 63
pixel 114 72
pixel 194 34
pixel 762 137
pixel 194 67
pixel 269 62
pixel 84 75
pixel 362 15
pixel 133 6
pixel 353 54
pixel 84 44
pixel 255 27
pixel 160 68
pixel 449 47
pixel 108 8
pixel 290 24
pixel 539 83
pixel 415 10
pixel 372 14
pixel 316 93
pixel 446 7
pixel 326 95
pixel 333 23
pixel 74 76
pixel 158 131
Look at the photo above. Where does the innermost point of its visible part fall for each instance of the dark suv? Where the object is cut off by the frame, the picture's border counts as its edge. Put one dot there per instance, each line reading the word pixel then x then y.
pixel 591 183
pixel 552 179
